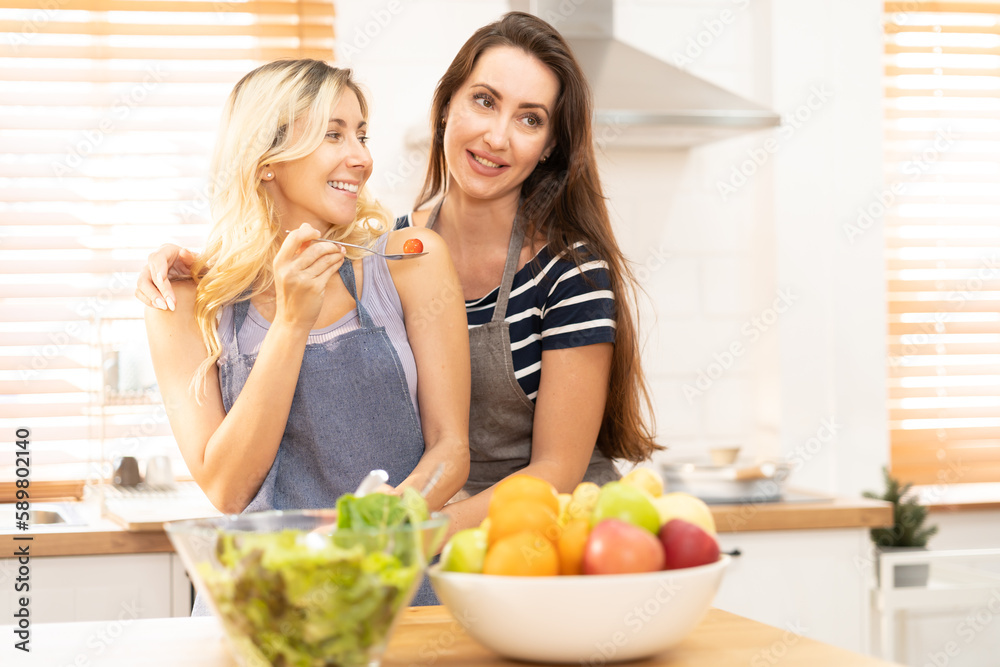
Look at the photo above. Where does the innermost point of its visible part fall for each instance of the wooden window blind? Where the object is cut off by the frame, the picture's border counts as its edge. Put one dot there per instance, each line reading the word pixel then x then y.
pixel 108 115
pixel 942 215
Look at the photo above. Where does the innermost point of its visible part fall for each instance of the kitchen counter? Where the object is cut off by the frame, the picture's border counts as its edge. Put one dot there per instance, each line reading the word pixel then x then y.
pixel 96 536
pixel 102 536
pixel 824 512
pixel 426 636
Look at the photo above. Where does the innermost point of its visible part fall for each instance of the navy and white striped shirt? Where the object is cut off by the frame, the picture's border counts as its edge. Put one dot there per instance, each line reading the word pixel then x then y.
pixel 551 307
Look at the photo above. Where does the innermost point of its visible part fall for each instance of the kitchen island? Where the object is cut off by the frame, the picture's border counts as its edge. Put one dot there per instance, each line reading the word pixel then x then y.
pixel 101 536
pixel 98 570
pixel 426 636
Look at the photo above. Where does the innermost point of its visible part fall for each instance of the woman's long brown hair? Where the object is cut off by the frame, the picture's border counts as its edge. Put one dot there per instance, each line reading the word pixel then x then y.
pixel 562 199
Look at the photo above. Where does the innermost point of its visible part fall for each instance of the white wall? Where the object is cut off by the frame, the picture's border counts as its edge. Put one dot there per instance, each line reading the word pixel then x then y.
pixel 721 271
pixel 729 255
pixel 748 220
pixel 833 347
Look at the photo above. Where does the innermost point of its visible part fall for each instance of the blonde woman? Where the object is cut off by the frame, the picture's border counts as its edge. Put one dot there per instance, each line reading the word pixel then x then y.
pixel 283 386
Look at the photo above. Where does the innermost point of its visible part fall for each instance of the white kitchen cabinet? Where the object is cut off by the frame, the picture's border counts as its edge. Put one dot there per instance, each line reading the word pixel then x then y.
pixel 949 621
pixel 810 582
pixel 181 595
pixel 97 588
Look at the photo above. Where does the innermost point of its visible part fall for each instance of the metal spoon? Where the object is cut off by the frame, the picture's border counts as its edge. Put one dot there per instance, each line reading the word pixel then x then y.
pixel 405 255
pixel 432 482
pixel 372 481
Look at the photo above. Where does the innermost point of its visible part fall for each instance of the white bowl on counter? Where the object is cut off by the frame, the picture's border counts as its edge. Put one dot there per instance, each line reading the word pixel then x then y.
pixel 590 619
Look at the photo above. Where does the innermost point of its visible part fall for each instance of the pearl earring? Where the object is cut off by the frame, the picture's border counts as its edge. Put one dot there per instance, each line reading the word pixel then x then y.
pixel 268 176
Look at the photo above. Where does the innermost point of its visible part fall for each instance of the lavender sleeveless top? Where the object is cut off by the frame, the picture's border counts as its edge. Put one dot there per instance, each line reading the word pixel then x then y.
pixel 379 296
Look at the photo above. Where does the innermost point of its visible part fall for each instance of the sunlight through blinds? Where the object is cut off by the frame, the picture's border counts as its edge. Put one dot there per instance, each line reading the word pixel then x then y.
pixel 107 118
pixel 942 130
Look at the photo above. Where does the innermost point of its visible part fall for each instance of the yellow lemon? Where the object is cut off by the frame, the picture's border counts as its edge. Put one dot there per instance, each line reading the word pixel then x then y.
pixel 647 480
pixel 679 505
pixel 583 500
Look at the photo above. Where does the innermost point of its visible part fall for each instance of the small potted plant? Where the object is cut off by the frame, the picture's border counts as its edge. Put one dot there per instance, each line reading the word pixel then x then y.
pixel 907 533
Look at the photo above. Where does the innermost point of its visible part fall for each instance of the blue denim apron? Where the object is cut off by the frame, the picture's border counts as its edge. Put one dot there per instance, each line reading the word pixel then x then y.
pixel 351 413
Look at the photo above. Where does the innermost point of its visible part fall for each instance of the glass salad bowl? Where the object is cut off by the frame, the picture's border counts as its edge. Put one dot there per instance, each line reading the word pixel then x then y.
pixel 311 587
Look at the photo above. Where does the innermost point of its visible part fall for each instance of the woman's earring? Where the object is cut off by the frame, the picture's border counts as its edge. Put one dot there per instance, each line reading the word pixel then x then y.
pixel 544 158
pixel 268 176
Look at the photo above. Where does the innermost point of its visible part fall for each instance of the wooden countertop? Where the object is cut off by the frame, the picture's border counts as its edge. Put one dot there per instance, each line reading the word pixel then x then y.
pixel 426 636
pixel 99 536
pixel 823 513
pixel 103 536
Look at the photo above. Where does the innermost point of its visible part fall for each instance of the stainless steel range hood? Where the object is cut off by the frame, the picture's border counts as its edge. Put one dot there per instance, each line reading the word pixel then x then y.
pixel 640 100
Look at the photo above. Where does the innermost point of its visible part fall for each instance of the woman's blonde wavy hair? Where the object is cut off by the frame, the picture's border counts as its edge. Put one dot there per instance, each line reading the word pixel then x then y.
pixel 256 130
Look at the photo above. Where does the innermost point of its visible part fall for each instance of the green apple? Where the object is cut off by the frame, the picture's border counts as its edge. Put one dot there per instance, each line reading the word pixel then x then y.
pixel 628 503
pixel 465 551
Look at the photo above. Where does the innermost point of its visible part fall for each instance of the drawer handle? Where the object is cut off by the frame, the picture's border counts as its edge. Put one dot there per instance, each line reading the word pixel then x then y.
pixel 735 552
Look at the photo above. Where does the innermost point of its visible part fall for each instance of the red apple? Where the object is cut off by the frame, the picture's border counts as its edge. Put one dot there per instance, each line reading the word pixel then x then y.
pixel 618 547
pixel 687 545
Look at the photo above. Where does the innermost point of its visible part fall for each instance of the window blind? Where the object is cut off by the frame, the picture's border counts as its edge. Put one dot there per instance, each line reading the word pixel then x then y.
pixel 942 220
pixel 107 119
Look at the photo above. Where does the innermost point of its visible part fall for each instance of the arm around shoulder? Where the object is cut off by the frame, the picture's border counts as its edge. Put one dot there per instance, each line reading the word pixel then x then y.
pixel 177 350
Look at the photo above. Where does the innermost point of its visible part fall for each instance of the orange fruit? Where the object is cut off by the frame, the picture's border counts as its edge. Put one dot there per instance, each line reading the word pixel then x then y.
pixel 571 544
pixel 518 515
pixel 523 554
pixel 525 487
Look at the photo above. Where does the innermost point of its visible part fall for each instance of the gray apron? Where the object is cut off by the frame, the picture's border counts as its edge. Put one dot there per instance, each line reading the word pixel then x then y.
pixel 501 416
pixel 351 413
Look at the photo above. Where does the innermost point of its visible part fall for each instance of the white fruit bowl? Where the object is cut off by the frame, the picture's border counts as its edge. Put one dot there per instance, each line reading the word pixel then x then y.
pixel 590 619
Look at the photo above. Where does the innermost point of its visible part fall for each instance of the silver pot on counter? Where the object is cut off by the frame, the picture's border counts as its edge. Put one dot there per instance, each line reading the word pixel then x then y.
pixel 727 484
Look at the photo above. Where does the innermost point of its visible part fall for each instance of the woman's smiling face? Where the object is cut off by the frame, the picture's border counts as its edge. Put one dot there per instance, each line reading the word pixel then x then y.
pixel 322 187
pixel 498 123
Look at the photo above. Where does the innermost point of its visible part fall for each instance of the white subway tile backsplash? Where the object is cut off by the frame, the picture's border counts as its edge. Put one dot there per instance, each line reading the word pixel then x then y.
pixel 675 417
pixel 674 288
pixel 679 449
pixel 727 287
pixel 729 407
pixel 693 346
pixel 703 37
